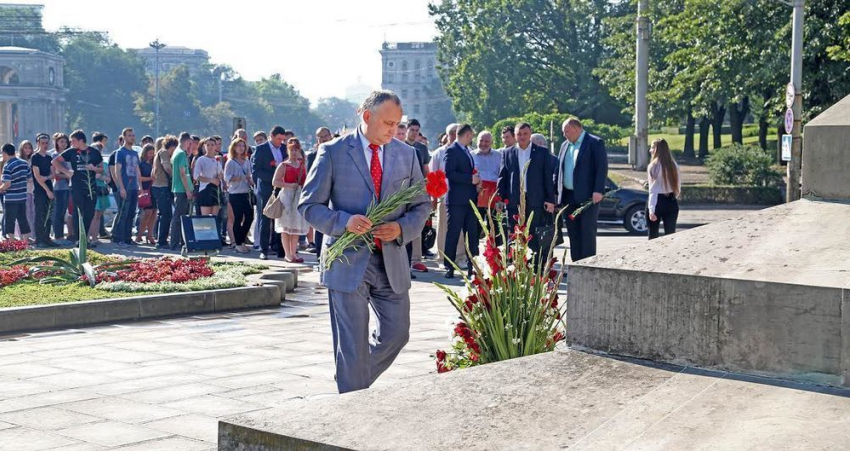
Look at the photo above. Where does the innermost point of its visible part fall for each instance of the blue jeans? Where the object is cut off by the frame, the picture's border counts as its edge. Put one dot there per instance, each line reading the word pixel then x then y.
pixel 60 207
pixel 126 217
pixel 164 200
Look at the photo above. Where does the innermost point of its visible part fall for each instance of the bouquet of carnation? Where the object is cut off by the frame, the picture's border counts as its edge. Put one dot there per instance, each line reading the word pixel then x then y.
pixel 434 184
pixel 509 308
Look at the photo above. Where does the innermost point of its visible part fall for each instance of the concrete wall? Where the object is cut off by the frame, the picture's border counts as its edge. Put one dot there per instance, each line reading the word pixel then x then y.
pixel 826 153
pixel 755 327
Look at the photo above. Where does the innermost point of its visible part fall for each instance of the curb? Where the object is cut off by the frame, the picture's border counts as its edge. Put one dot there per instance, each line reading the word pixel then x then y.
pixel 88 313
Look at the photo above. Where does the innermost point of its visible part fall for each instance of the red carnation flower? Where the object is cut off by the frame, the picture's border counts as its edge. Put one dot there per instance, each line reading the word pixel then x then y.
pixel 571 217
pixel 273 163
pixel 441 356
pixel 436 185
pixel 474 171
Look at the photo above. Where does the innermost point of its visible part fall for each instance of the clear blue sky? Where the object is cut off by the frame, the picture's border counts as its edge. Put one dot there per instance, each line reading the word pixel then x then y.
pixel 320 46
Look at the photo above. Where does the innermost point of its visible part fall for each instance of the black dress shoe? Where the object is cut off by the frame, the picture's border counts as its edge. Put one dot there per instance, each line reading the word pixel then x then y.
pixel 412 276
pixel 450 274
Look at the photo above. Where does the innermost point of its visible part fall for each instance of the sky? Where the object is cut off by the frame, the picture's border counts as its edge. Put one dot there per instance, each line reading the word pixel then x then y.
pixel 319 46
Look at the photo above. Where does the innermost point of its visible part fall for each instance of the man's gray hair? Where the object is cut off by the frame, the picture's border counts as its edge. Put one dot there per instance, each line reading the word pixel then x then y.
pixel 539 139
pixel 573 122
pixel 322 129
pixel 485 133
pixel 452 128
pixel 377 98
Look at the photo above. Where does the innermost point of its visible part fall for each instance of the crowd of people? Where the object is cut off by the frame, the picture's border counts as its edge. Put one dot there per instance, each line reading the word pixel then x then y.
pixel 64 180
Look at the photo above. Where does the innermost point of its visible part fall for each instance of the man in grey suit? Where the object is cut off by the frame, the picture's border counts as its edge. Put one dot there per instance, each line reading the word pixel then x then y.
pixel 349 172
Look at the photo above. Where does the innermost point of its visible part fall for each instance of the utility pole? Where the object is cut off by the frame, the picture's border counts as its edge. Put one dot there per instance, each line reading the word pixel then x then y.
pixel 156 45
pixel 220 86
pixel 641 87
pixel 795 166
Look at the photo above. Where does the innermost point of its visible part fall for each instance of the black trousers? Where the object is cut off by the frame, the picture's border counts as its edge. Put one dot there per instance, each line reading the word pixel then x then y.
pixel 582 229
pixel 461 219
pixel 667 210
pixel 537 220
pixel 84 205
pixel 268 238
pixel 243 216
pixel 15 212
pixel 42 216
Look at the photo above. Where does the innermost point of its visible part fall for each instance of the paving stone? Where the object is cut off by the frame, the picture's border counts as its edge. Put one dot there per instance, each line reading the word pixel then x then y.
pixel 52 398
pixel 110 433
pixel 137 385
pixel 198 427
pixel 11 387
pixel 80 447
pixel 4 425
pixel 26 439
pixel 169 444
pixel 254 379
pixel 117 409
pixel 47 418
pixel 28 370
pixel 89 364
pixel 73 379
pixel 173 393
pixel 215 406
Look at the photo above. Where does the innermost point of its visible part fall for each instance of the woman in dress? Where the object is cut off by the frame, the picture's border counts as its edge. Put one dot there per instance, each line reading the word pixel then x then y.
pixel 25 151
pixel 237 174
pixel 148 214
pixel 208 173
pixel 664 189
pixel 290 177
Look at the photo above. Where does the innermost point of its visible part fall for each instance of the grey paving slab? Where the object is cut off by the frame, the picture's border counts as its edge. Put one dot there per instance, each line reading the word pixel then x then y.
pixel 111 433
pixel 198 427
pixel 80 447
pixel 129 385
pixel 47 418
pixel 173 393
pixel 55 397
pixel 212 405
pixel 125 410
pixel 73 379
pixel 26 439
pixel 169 444
pixel 10 387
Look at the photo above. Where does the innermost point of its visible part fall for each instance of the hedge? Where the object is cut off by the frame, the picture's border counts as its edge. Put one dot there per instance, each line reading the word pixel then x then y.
pixel 726 194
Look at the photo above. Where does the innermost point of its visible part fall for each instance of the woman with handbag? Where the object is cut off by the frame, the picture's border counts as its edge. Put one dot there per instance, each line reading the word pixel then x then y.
pixel 147 203
pixel 290 177
pixel 101 204
pixel 240 187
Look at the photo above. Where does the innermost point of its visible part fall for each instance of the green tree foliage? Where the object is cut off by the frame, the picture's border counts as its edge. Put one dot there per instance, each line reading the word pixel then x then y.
pixel 504 58
pixel 288 107
pixel 826 78
pixel 103 82
pixel 179 110
pixel 337 113
pixel 20 26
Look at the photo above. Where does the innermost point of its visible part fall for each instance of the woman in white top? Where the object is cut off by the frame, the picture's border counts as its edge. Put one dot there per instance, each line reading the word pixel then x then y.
pixel 664 189
pixel 208 173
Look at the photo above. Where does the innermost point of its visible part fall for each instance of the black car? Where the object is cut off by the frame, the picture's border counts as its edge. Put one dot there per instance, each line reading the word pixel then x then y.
pixel 626 207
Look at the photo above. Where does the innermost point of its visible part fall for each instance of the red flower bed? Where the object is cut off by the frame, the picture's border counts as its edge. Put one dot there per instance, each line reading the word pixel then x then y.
pixel 13 245
pixel 12 275
pixel 159 270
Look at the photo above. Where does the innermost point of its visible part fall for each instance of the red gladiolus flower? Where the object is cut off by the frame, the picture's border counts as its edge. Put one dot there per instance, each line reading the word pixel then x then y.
pixel 436 185
pixel 505 201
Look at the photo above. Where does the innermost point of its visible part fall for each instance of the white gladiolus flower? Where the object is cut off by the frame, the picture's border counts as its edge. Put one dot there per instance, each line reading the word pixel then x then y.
pixel 485 268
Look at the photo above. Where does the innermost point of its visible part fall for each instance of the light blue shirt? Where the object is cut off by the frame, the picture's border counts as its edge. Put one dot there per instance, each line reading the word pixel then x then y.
pixel 570 160
pixel 488 165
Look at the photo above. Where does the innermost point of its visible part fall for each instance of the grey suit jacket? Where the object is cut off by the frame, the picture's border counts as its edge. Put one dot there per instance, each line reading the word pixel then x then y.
pixel 339 186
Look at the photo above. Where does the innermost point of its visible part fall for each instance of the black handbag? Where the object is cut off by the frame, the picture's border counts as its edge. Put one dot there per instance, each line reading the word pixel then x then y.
pixel 546 232
pixel 429 235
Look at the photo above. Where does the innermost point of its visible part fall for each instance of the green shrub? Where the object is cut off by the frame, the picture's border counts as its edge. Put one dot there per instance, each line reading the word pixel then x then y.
pixel 742 165
pixel 750 130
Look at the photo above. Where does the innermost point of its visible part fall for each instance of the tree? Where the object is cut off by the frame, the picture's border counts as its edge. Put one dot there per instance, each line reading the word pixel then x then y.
pixel 178 107
pixel 288 107
pixel 337 113
pixel 533 56
pixel 103 82
pixel 826 79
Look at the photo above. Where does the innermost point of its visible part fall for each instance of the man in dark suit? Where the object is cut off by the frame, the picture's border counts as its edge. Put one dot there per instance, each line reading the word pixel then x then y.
pixel 463 187
pixel 531 164
pixel 582 171
pixel 263 164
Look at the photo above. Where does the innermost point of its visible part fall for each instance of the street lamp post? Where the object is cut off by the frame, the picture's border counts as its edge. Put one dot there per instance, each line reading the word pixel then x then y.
pixel 641 88
pixel 795 166
pixel 156 45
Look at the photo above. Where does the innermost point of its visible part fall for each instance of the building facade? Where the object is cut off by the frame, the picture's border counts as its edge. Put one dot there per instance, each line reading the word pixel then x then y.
pixel 171 57
pixel 32 94
pixel 410 70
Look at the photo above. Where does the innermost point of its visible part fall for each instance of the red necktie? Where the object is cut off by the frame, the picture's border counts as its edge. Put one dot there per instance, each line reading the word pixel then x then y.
pixel 377 177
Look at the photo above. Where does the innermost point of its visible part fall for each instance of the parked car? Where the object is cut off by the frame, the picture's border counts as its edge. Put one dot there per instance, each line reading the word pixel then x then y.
pixel 626 207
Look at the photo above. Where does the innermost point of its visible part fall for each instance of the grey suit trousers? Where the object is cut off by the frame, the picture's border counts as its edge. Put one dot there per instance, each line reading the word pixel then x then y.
pixel 359 359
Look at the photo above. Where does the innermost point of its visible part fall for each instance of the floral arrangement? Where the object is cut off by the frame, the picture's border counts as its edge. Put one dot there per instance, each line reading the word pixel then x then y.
pixel 434 184
pixel 158 270
pixel 12 275
pixel 14 245
pixel 509 308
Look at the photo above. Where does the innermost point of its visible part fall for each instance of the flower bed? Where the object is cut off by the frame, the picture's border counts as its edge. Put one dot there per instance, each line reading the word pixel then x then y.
pixel 19 286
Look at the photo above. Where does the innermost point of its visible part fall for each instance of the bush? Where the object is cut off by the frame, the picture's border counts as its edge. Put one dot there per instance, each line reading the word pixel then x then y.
pixel 743 166
pixel 730 195
pixel 540 123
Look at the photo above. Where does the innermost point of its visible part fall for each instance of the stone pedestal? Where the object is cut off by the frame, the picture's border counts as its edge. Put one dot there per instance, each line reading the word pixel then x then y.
pixel 826 153
pixel 554 401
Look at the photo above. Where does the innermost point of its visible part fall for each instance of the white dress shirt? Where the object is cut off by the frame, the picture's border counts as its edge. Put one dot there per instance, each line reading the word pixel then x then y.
pixel 437 156
pixel 367 152
pixel 523 155
pixel 276 153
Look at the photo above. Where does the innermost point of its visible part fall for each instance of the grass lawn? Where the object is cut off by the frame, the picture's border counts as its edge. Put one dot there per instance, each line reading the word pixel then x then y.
pixel 677 142
pixel 32 293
